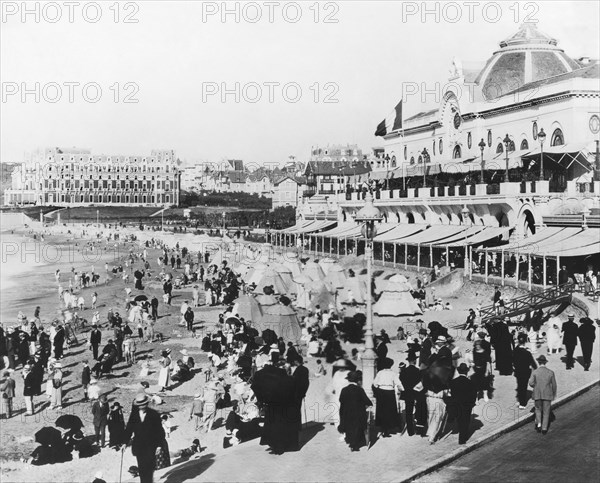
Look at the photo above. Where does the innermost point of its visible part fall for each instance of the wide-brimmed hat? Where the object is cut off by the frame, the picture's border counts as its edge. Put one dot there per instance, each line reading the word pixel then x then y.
pixel 441 340
pixel 141 401
pixel 184 352
pixel 353 376
pixel 481 333
pixel 542 358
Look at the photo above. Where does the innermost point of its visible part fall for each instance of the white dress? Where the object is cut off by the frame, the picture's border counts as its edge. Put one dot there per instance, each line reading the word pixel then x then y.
pixel 164 376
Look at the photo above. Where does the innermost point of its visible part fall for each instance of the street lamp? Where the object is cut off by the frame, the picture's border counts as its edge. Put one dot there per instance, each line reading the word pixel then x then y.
pixel 542 138
pixel 506 141
pixel 367 216
pixel 425 155
pixel 481 148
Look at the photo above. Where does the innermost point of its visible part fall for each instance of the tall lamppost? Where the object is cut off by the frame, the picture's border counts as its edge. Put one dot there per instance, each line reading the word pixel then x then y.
pixel 425 155
pixel 367 216
pixel 223 231
pixel 506 141
pixel 541 139
pixel 268 232
pixel 98 218
pixel 481 148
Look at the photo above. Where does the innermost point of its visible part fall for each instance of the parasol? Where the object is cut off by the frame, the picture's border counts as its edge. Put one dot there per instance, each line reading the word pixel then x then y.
pixel 140 298
pixel 69 421
pixel 48 436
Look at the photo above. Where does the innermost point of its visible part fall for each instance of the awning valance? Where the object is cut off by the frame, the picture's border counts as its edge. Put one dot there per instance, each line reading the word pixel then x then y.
pixel 399 232
pixel 434 234
pixel 487 234
pixel 317 225
pixel 473 230
pixel 300 224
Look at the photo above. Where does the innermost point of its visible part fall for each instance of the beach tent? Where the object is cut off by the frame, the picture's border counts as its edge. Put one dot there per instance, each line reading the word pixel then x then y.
pixel 247 307
pixel 320 294
pixel 286 275
pixel 255 273
pixel 283 320
pixel 290 260
pixel 354 289
pixel 326 264
pixel 396 300
pixel 313 271
pixel 271 278
pixel 336 277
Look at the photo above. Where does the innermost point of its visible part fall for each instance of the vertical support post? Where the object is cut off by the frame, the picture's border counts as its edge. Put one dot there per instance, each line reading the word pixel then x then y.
pixel 406 256
pixel 485 262
pixel 383 253
pixel 395 248
pixel 502 272
pixel 418 257
pixel 369 356
pixel 529 270
pixel 471 263
pixel 544 270
pixel 557 270
pixel 517 272
pixel 431 255
pixel 448 256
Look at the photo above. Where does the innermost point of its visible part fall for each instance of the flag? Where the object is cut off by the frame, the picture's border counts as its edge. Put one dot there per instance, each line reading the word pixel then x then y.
pixel 398 119
pixel 381 129
pixel 391 123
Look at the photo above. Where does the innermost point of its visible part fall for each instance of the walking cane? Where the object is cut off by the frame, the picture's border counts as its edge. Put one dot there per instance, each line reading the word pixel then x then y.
pixel 121 467
pixel 304 408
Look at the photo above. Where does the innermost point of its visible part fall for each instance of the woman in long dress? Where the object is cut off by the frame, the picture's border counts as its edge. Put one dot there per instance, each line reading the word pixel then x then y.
pixel 57 383
pixel 353 412
pixel 385 385
pixel 164 376
pixel 116 426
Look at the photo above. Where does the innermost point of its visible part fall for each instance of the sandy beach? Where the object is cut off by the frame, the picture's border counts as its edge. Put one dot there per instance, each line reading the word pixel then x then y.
pixel 16 434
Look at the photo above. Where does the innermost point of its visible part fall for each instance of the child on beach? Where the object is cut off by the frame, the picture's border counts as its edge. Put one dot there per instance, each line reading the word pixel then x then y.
pixel 321 371
pixel 94 300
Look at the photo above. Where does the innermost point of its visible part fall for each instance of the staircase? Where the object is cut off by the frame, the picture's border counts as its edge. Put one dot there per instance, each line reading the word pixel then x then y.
pixel 532 301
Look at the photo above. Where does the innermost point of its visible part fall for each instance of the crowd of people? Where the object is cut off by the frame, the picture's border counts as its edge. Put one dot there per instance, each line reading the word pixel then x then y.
pixel 257 376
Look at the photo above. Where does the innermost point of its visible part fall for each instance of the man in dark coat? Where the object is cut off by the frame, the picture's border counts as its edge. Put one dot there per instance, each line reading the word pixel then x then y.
pixel 463 395
pixel 301 382
pixel 100 411
pixel 95 339
pixel 154 305
pixel 353 412
pixel 410 376
pixel 274 389
pixel 502 342
pixel 381 349
pixel 523 363
pixel 563 276
pixel 570 330
pixel 587 336
pixel 426 346
pixel 59 342
pixel 148 434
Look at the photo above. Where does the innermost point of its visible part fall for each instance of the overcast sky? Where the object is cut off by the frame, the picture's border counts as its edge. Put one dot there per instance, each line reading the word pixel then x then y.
pixel 172 56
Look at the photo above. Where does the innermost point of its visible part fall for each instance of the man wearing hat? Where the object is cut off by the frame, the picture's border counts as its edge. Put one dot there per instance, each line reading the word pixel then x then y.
pixel 587 336
pixel 100 412
pixel 148 433
pixel 543 382
pixel 410 376
pixel 95 339
pixel 7 391
pixel 569 330
pixel 426 346
pixel 463 394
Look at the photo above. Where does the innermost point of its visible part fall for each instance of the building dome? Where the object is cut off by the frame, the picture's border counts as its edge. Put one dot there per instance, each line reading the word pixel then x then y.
pixel 527 56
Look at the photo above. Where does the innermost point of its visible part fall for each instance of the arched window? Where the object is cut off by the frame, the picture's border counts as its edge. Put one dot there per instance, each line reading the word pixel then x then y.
pixel 456 153
pixel 412 160
pixel 433 147
pixel 557 138
pixel 393 161
pixel 524 145
pixel 469 140
pixel 420 159
pixel 511 146
pixel 405 153
pixel 499 148
pixel 441 146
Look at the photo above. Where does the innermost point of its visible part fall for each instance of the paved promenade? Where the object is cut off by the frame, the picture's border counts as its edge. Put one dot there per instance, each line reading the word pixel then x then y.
pixel 324 458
